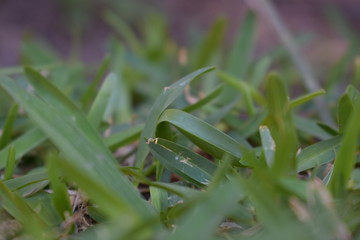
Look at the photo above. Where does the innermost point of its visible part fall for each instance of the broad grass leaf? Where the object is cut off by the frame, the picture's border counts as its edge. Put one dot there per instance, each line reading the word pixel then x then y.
pixel 317 154
pixel 182 161
pixel 204 135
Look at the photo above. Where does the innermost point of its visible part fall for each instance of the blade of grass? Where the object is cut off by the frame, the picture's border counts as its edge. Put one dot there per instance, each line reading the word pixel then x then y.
pixel 345 159
pixel 60 197
pixel 182 161
pixel 28 184
pixel 123 29
pixel 21 211
pixel 168 95
pixel 64 105
pixel 83 153
pixel 318 154
pixel 97 110
pixel 243 88
pixel 8 126
pixel 10 164
pixel 86 98
pixel 241 53
pixel 23 144
pixel 202 102
pixel 204 135
pixel 303 99
pixel 210 44
pixel 268 144
pixel 282 129
pixel 204 218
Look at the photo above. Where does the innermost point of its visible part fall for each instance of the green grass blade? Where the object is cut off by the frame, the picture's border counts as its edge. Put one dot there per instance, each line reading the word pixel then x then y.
pixel 28 184
pixel 83 153
pixel 90 92
pixel 318 154
pixel 260 70
pixel 311 127
pixel 10 164
pixel 303 99
pixel 204 135
pixel 182 161
pixel 64 105
pixel 241 53
pixel 20 210
pixel 243 88
pixel 268 144
pixel 123 29
pixel 60 197
pixel 8 126
pixel 97 110
pixel 109 203
pixel 202 102
pixel 168 95
pixel 23 144
pixel 282 128
pixel 20 69
pixel 211 44
pixel 345 108
pixel 204 218
pixel 356 72
pixel 345 159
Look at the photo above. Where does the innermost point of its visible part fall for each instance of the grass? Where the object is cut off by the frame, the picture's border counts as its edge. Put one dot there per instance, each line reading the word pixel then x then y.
pixel 222 153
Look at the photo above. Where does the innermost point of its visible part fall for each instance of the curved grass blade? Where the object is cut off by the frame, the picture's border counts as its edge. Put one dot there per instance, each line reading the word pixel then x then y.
pixel 318 154
pixel 180 160
pixel 23 144
pixel 83 152
pixel 8 126
pixel 168 95
pixel 204 135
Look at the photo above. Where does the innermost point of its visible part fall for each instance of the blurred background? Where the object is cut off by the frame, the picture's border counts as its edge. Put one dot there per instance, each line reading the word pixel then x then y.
pixel 80 26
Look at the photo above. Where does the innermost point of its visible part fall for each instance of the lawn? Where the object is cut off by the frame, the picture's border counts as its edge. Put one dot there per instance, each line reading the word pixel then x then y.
pixel 159 141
